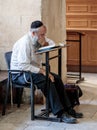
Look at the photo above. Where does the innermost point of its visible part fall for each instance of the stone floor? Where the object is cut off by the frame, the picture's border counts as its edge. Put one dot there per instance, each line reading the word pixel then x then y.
pixel 19 119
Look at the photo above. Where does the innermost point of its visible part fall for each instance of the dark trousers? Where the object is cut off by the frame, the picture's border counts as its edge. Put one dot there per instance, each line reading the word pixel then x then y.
pixel 58 98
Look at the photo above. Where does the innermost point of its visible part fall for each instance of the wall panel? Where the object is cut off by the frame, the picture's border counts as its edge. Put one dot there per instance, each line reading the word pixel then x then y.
pixel 82 16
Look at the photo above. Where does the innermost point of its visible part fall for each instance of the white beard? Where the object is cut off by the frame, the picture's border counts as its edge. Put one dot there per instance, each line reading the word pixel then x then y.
pixel 34 39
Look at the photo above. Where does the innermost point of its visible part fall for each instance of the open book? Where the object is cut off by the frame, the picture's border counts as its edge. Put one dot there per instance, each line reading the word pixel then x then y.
pixel 46 48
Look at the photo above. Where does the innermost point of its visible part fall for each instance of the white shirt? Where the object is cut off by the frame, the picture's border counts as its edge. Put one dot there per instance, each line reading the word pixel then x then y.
pixel 23 54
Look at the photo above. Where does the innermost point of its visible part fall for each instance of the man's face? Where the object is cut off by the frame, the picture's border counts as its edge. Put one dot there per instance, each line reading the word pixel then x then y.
pixel 41 35
pixel 41 32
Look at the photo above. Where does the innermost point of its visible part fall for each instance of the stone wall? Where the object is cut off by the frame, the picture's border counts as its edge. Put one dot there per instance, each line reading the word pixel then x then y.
pixel 15 19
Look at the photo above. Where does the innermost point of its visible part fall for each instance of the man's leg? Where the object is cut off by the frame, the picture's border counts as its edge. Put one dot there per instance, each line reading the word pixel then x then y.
pixel 55 104
pixel 64 98
pixel 61 92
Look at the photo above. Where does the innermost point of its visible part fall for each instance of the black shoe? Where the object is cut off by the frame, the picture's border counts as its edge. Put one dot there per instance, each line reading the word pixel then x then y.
pixel 75 114
pixel 68 119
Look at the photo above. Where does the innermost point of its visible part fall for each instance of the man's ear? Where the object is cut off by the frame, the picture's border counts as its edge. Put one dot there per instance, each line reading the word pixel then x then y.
pixel 33 33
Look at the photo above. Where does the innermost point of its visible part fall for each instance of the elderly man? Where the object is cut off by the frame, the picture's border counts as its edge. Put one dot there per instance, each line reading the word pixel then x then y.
pixel 24 58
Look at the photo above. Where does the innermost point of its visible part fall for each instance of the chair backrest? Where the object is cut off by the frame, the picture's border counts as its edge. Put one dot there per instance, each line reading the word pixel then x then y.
pixel 8 58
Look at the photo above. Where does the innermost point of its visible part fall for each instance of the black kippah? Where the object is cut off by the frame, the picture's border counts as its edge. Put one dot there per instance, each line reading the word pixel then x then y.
pixel 36 24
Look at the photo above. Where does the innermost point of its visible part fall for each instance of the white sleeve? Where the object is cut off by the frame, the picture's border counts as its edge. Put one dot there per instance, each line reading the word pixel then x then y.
pixel 24 60
pixel 51 42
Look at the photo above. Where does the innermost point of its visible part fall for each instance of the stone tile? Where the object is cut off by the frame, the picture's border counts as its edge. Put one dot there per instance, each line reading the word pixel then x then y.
pixel 40 127
pixel 7 126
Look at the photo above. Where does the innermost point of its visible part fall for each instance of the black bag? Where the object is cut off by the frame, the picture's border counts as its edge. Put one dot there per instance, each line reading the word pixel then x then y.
pixel 74 92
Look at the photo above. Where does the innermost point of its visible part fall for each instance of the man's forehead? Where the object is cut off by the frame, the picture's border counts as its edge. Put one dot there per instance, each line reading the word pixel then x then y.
pixel 42 29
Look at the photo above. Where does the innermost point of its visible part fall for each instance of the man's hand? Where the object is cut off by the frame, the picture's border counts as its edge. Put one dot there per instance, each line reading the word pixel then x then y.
pixel 51 77
pixel 42 41
pixel 42 71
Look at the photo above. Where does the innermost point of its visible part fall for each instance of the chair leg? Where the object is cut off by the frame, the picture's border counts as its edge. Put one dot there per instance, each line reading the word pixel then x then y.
pixel 19 92
pixel 6 98
pixel 32 99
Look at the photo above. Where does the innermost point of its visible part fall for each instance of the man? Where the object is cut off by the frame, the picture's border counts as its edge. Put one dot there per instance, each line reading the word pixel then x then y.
pixel 24 58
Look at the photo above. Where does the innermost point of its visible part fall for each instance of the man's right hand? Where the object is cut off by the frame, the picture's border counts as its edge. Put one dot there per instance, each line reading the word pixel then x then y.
pixel 42 71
